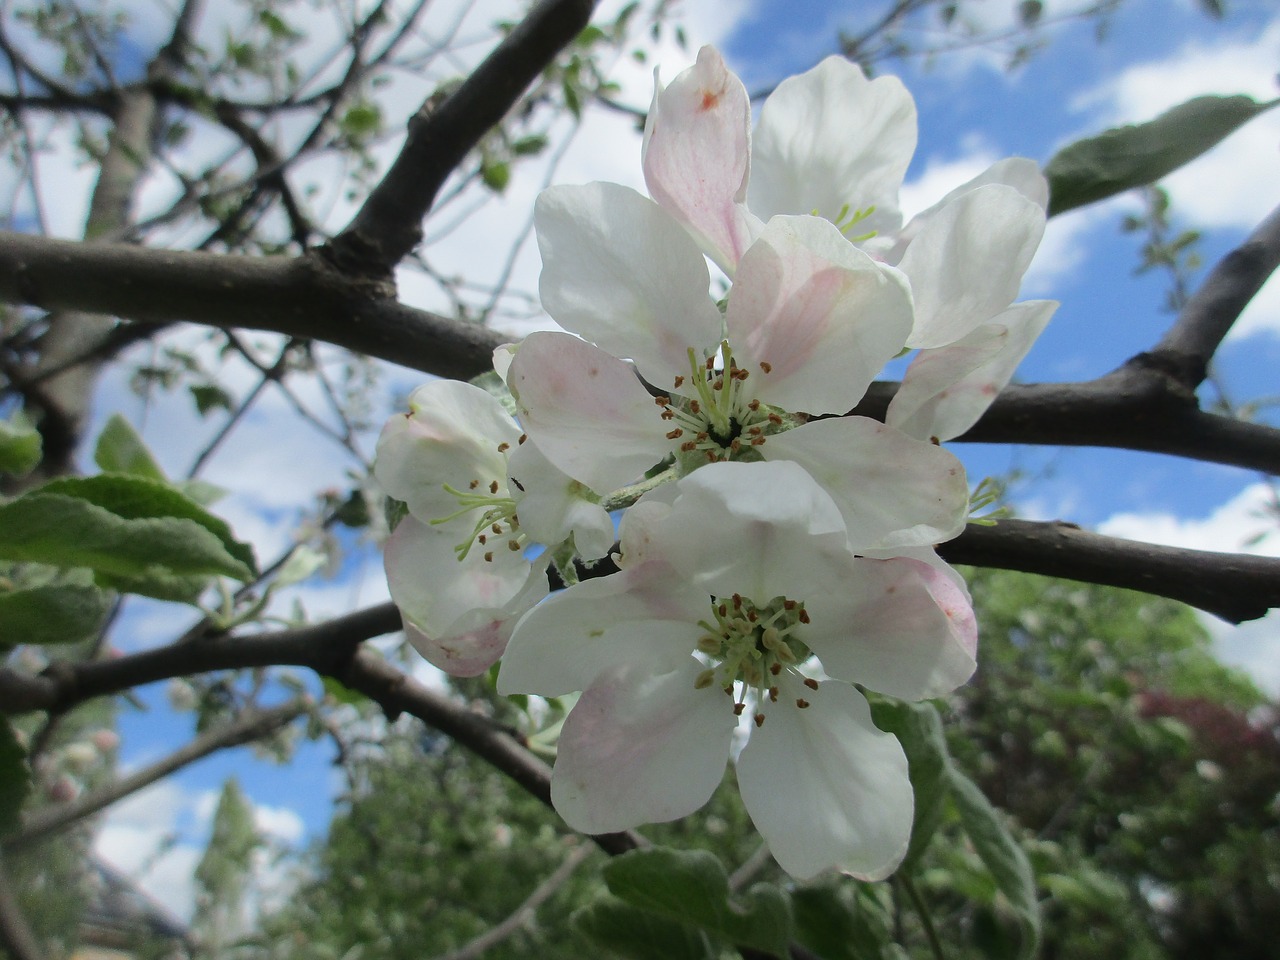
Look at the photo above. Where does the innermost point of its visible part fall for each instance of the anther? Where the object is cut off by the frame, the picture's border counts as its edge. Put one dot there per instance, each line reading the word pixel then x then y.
pixel 675 434
pixel 776 669
pixel 757 441
pixel 662 401
pixel 688 446
pixel 773 694
pixel 803 616
pixel 754 405
pixel 523 438
pixel 496 528
pixel 759 718
pixel 775 419
pixel 474 484
pixel 766 366
pixel 482 539
pixel 802 703
pixel 704 680
pixel 811 683
pixel 503 447
pixel 489 556
pixel 667 414
pixel 493 486
pixel 679 381
pixel 695 407
pixel 513 546
pixel 738 708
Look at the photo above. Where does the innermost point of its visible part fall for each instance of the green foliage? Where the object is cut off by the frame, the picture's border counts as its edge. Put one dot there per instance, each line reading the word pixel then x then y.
pixel 224 874
pixel 121 450
pixel 692 888
pixel 20 447
pixel 137 535
pixel 627 931
pixel 52 613
pixel 1098 167
pixel 15 777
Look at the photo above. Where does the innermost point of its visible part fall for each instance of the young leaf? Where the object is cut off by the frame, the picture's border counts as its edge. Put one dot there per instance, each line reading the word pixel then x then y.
pixel 121 450
pixel 919 729
pixel 136 498
pixel 20 447
pixel 1132 156
pixel 1002 856
pixel 57 613
pixel 639 935
pixel 835 928
pixel 691 886
pixel 15 777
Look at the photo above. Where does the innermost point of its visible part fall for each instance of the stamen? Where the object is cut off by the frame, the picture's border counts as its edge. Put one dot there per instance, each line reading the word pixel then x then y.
pixel 802 703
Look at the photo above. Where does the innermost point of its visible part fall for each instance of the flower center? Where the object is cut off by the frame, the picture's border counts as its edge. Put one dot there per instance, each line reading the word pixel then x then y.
pixel 750 645
pixel 497 527
pixel 721 420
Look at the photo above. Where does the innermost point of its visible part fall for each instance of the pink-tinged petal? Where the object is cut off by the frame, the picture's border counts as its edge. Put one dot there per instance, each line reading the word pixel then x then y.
pixel 620 272
pixel 946 390
pixel 901 627
pixel 586 410
pixel 967 262
pixel 758 529
pixel 1018 172
pixel 451 436
pixel 891 490
pixel 641 748
pixel 830 139
pixel 825 788
pixel 552 506
pixel 820 315
pixel 697 155
pixel 457 614
pixel 646 615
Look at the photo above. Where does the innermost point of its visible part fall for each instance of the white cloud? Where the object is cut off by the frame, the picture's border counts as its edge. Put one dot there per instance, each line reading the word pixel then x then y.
pixel 1245 524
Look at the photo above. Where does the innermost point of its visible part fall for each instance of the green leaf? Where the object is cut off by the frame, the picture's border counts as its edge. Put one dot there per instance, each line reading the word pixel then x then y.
pixel 692 886
pixel 361 120
pixel 121 450
pixel 1001 854
pixel 530 145
pixel 496 174
pixel 136 498
pixel 919 729
pixel 15 777
pixel 209 397
pixel 639 935
pixel 1132 156
pixel 58 613
pixel 20 447
pixel 836 928
pixel 164 556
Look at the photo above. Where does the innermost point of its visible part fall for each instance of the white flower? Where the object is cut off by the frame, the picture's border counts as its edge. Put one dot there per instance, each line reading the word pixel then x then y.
pixel 808 322
pixel 456 566
pixel 832 143
pixel 726 595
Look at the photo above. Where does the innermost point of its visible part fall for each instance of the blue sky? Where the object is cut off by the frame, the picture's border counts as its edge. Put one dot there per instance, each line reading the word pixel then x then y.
pixel 972 112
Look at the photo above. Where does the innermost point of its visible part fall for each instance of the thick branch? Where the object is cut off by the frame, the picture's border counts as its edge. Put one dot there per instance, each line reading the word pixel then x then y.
pixel 1189 345
pixel 253 725
pixel 301 297
pixel 1235 587
pixel 389 224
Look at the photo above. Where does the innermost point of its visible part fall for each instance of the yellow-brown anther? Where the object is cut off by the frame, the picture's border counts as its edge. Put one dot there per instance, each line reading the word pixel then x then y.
pixel 802 703
pixel 766 366
pixel 675 434
pixel 493 486
pixel 811 683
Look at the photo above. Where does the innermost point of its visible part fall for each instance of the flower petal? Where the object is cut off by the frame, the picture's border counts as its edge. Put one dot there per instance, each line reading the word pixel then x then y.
pixel 641 748
pixel 586 410
pixel 900 627
pixel 552 506
pixel 824 787
pixel 758 529
pixel 892 490
pixel 946 390
pixel 451 436
pixel 967 262
pixel 697 155
pixel 646 614
pixel 620 272
pixel 818 312
pixel 458 614
pixel 830 139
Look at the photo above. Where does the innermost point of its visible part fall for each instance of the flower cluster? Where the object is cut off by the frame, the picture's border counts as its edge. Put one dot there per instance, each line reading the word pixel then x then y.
pixel 789 560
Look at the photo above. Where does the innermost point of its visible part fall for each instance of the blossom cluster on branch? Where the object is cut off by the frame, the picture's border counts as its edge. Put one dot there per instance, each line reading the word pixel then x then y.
pixel 775 556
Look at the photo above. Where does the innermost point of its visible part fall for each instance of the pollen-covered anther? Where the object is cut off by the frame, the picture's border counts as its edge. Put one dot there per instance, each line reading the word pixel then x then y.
pixel 675 434
pixel 757 441
pixel 754 405
pixel 695 407
pixel 667 414
pixel 474 484
pixel 766 366
pixel 776 668
pixel 719 384
pixel 662 401
pixel 775 419
pixel 735 445
pixel 513 545
pixel 688 446
pixel 496 528
pixel 679 380
pixel 493 486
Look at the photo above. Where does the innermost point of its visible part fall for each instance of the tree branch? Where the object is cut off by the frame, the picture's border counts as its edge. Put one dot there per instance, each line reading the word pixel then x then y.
pixel 1235 587
pixel 250 726
pixel 389 224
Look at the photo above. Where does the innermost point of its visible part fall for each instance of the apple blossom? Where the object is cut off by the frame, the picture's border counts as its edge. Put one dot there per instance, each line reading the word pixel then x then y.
pixel 456 565
pixel 733 597
pixel 808 322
